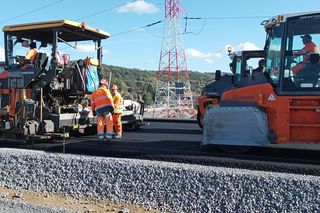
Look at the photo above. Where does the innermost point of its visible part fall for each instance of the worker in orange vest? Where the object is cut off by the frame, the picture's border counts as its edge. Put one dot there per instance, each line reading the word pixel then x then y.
pixel 309 48
pixel 102 106
pixel 118 110
pixel 32 53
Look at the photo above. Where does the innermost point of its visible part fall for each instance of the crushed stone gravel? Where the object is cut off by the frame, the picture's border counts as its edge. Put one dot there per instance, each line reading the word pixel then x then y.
pixel 165 186
pixel 18 206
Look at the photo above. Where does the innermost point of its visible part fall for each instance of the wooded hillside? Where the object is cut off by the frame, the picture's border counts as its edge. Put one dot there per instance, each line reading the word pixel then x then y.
pixel 143 82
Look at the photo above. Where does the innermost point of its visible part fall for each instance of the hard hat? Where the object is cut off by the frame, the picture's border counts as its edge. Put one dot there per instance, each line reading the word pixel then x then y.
pixel 114 87
pixel 103 82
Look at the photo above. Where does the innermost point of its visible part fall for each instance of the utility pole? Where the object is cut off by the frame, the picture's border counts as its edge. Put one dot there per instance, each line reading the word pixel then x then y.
pixel 173 98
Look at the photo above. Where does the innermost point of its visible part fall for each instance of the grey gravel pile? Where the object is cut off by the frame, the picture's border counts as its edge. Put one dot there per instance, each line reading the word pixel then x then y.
pixel 16 206
pixel 166 186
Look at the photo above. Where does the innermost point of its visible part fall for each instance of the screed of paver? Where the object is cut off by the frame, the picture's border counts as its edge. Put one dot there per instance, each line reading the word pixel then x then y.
pixel 66 202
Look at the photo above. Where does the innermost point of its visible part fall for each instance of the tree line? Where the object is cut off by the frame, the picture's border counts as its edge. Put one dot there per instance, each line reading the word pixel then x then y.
pixel 141 84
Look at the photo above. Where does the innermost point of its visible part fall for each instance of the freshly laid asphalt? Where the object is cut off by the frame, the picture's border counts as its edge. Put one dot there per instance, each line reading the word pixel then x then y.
pixel 179 141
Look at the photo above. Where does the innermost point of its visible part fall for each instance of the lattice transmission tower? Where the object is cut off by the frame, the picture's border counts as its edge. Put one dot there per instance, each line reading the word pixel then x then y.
pixel 173 96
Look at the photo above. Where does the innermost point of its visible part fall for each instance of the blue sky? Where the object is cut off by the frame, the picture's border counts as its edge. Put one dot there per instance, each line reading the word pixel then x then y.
pixel 235 23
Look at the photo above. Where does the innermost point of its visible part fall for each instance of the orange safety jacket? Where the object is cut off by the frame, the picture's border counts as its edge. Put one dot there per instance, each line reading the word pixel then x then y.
pixel 31 54
pixel 309 48
pixel 101 101
pixel 118 103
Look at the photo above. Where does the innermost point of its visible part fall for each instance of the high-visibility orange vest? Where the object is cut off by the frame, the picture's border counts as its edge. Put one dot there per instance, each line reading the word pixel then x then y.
pixel 101 101
pixel 31 54
pixel 309 48
pixel 118 103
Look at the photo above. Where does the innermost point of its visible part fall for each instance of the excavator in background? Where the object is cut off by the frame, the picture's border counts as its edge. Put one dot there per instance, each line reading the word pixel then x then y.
pixel 277 108
pixel 239 66
pixel 49 97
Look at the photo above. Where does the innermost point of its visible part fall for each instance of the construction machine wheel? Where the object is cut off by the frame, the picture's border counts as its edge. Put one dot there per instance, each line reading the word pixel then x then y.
pixel 234 149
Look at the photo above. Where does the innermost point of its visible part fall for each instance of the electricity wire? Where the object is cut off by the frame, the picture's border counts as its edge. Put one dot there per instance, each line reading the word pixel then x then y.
pixel 107 10
pixel 227 17
pixel 137 28
pixel 31 11
pixel 103 11
pixel 215 18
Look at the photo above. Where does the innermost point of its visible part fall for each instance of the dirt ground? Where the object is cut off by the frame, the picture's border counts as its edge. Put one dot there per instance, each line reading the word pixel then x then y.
pixel 84 205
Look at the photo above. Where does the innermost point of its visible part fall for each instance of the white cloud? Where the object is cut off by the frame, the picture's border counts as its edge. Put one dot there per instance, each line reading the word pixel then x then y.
pixel 217 55
pixel 243 46
pixel 208 60
pixel 193 53
pixel 207 57
pixel 89 49
pixel 139 6
pixel 2 58
pixel 152 61
pixel 211 57
pixel 86 48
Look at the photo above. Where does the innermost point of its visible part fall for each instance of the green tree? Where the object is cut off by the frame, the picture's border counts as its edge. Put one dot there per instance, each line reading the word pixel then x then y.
pixel 147 98
pixel 139 82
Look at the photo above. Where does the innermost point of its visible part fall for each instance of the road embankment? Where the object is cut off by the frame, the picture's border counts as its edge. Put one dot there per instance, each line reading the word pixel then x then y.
pixel 171 187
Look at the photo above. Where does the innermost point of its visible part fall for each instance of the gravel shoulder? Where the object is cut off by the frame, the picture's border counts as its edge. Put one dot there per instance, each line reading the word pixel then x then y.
pixel 19 206
pixel 172 187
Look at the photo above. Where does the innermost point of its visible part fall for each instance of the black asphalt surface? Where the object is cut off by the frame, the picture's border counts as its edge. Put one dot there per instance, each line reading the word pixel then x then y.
pixel 179 141
pixel 154 138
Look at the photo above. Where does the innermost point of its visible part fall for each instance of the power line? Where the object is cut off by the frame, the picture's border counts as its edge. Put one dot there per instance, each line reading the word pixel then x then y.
pixel 186 18
pixel 106 10
pixel 128 31
pixel 227 17
pixel 31 11
pixel 216 18
pixel 202 27
pixel 120 5
pixel 103 11
pixel 154 35
pixel 138 28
